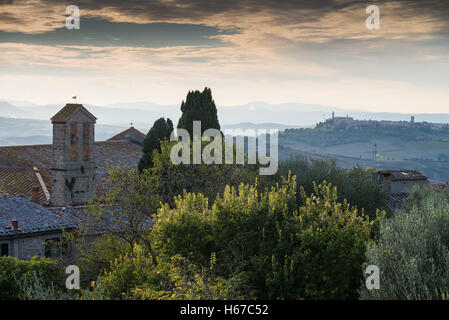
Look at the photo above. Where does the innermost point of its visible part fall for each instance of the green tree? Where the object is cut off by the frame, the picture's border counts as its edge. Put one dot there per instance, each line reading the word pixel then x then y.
pixel 121 217
pixel 14 272
pixel 199 106
pixel 170 180
pixel 117 221
pixel 412 252
pixel 265 241
pixel 357 185
pixel 160 131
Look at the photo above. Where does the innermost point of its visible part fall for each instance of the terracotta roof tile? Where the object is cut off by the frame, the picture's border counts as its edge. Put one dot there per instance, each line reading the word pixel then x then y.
pixel 17 176
pixel 131 134
pixel 20 181
pixel 68 110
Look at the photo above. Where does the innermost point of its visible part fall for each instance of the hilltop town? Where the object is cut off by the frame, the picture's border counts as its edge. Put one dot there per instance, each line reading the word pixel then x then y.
pixel 348 123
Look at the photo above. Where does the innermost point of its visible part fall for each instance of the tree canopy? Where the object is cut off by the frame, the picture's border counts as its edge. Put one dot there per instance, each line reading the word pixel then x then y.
pixel 161 130
pixel 199 106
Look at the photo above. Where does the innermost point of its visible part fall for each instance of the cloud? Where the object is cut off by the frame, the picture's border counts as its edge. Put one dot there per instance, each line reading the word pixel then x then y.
pixel 258 19
pixel 309 51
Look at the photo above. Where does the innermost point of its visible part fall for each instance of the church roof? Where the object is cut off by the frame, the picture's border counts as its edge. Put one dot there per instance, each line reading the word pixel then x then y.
pixel 131 134
pixel 17 176
pixel 69 109
pixel 20 181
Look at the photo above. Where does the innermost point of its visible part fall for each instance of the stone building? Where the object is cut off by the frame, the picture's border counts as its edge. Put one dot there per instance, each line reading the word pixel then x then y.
pixel 401 181
pixel 73 164
pixel 28 229
pixel 72 168
pixel 43 187
pixel 345 123
pixel 397 185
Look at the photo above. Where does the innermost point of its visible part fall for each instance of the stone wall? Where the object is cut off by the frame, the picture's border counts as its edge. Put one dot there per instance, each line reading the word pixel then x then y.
pixel 29 246
pixel 73 171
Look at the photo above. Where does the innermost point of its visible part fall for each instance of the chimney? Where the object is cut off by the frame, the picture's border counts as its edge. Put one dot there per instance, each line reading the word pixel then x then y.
pixel 15 224
pixel 35 194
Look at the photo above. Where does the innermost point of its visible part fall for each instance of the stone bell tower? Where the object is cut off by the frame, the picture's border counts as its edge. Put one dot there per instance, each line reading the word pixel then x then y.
pixel 73 165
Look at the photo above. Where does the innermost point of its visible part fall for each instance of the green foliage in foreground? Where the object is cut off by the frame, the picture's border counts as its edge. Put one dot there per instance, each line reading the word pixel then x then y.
pixel 199 106
pixel 160 131
pixel 14 272
pixel 413 250
pixel 139 195
pixel 248 244
pixel 171 180
pixel 356 185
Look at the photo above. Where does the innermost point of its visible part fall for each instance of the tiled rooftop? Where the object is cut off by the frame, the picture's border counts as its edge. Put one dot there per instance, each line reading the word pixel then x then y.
pixel 396 175
pixel 68 110
pixel 20 181
pixel 31 217
pixel 17 162
pixel 131 134
pixel 80 216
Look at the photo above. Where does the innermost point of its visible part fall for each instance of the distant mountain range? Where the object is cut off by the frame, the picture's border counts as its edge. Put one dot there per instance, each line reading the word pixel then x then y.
pixel 14 131
pixel 23 122
pixel 286 114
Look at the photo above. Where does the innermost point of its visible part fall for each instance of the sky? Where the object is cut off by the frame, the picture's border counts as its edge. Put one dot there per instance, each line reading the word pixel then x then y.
pixel 316 52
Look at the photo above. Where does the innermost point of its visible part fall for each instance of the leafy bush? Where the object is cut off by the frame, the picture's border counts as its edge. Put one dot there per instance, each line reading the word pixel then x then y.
pixel 160 131
pixel 356 185
pixel 170 180
pixel 36 288
pixel 249 244
pixel 413 250
pixel 13 271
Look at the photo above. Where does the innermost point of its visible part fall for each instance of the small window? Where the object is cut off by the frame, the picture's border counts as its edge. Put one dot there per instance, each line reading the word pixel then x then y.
pixel 55 247
pixel 4 250
pixel 52 247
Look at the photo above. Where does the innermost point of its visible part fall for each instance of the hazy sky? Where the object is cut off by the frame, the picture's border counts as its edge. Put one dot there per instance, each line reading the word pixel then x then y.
pixel 276 51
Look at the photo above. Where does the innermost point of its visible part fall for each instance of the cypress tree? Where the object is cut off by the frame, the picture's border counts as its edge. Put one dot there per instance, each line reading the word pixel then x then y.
pixel 199 106
pixel 161 130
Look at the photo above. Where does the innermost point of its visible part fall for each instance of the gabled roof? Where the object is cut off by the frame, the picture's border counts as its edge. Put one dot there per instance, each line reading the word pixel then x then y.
pixel 69 109
pixel 131 134
pixel 31 217
pixel 17 176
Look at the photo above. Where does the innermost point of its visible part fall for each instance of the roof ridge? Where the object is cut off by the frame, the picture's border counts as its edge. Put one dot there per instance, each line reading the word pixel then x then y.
pixel 68 110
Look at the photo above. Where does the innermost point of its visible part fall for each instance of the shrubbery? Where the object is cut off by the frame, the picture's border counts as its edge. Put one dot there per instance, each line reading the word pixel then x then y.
pixel 413 250
pixel 14 272
pixel 356 185
pixel 248 244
